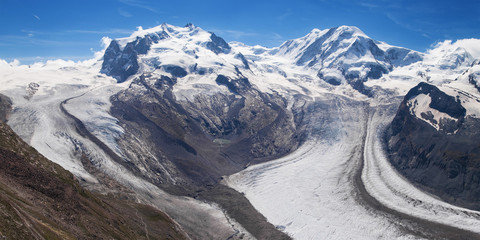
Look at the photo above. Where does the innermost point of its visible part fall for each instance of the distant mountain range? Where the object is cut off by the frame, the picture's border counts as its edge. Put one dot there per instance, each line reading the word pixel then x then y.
pixel 174 110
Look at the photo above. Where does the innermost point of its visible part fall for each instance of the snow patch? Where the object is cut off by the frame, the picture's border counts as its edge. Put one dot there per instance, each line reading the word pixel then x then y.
pixel 420 107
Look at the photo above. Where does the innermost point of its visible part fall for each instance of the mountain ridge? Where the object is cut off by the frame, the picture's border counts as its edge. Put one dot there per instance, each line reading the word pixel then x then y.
pixel 41 200
pixel 181 109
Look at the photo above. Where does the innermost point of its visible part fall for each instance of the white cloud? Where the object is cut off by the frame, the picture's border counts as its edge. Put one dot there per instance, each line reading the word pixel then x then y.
pixel 105 42
pixel 35 16
pixel 471 45
pixel 40 60
pixel 4 64
pixel 15 63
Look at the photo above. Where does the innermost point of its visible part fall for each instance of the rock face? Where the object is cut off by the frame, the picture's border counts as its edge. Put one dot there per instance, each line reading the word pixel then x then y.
pixel 473 74
pixel 198 141
pixel 123 63
pixel 120 64
pixel 41 200
pixel 5 107
pixel 438 148
pixel 218 45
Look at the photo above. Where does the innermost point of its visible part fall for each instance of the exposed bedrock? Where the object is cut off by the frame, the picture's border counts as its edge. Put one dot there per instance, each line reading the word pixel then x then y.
pixel 446 161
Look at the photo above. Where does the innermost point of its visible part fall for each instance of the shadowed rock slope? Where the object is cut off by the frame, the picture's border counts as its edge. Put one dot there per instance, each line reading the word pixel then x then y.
pixel 41 200
pixel 194 143
pixel 446 161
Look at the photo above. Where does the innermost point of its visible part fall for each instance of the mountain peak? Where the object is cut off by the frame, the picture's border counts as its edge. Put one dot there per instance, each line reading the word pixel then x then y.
pixel 121 59
pixel 315 32
pixel 161 30
pixel 316 38
pixel 190 25
pixel 351 29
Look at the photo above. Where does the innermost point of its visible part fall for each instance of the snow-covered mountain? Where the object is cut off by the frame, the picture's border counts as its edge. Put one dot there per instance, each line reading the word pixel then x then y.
pixel 346 54
pixel 433 140
pixel 174 110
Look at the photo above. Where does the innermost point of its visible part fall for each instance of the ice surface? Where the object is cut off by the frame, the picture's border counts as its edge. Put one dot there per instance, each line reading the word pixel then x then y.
pixel 310 194
pixel 385 184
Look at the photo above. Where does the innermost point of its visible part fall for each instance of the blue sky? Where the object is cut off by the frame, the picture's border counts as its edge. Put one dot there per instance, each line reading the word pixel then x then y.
pixel 36 30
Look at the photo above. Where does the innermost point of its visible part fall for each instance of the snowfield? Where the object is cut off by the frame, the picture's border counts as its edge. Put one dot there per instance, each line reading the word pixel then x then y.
pixel 323 190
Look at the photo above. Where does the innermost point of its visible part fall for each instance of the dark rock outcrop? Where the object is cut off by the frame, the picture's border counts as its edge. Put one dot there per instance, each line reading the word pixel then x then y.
pixel 5 107
pixel 120 64
pixel 439 101
pixel 218 45
pixel 123 63
pixel 444 162
pixel 472 79
pixel 234 85
pixel 244 60
pixel 176 71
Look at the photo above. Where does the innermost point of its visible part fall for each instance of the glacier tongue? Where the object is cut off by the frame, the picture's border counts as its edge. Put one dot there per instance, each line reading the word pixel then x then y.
pixel 311 194
pixel 319 187
pixel 384 183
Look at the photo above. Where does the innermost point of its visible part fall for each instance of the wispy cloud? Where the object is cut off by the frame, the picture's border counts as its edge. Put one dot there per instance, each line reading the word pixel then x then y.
pixel 28 60
pixel 35 16
pixel 428 21
pixel 285 15
pixel 139 4
pixel 405 24
pixel 275 39
pixel 270 38
pixel 16 40
pixel 32 33
pixel 368 5
pixel 106 31
pixel 124 13
pixel 233 34
pixel 277 36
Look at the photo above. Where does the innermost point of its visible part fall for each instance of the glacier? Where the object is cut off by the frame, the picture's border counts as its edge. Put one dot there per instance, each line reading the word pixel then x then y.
pixel 324 189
